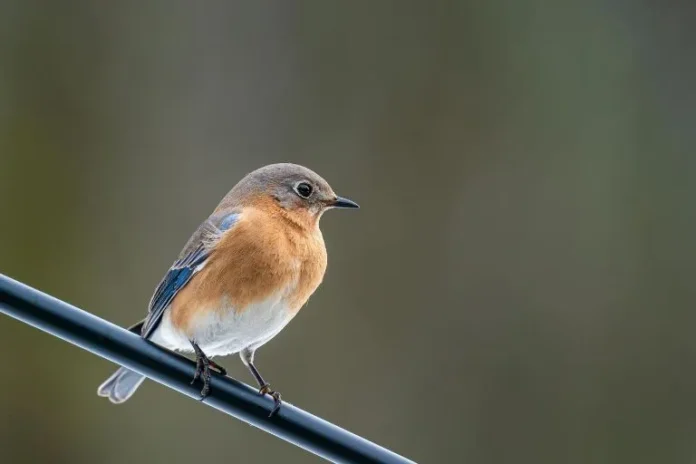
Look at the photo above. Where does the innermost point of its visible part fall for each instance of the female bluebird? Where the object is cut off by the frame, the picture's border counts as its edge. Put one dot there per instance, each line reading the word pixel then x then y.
pixel 242 276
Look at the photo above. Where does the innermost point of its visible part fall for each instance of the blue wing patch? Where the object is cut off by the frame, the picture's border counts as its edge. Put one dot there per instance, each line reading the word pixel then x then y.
pixel 180 274
pixel 228 221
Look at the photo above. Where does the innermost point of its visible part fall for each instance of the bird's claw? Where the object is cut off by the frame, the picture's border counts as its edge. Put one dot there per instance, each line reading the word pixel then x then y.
pixel 221 370
pixel 266 389
pixel 203 373
pixel 203 369
pixel 199 370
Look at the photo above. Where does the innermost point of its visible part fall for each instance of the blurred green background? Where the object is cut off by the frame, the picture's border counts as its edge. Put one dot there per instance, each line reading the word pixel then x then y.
pixel 517 287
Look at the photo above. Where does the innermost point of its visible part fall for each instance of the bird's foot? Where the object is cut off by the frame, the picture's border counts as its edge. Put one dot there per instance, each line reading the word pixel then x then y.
pixel 221 370
pixel 203 369
pixel 266 389
pixel 203 373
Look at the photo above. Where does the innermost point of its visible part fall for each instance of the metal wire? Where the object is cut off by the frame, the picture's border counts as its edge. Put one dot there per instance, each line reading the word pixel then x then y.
pixel 116 344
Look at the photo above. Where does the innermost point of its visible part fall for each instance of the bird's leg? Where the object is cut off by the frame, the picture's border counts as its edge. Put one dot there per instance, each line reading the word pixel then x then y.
pixel 265 387
pixel 203 365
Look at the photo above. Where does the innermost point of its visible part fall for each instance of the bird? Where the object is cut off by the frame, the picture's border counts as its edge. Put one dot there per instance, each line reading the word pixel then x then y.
pixel 242 276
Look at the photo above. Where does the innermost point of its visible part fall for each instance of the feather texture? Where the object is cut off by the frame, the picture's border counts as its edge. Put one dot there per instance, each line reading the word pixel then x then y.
pixel 180 273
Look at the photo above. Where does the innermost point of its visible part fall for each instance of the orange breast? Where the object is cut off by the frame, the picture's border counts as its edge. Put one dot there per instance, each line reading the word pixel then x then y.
pixel 311 253
pixel 259 257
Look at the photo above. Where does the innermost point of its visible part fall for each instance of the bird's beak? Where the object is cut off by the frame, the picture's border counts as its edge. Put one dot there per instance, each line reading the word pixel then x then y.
pixel 340 202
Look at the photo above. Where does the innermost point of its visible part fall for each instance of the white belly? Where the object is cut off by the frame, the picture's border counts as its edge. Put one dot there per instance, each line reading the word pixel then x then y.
pixel 222 330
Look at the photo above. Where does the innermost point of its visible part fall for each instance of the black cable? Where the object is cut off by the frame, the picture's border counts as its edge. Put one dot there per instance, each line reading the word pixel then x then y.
pixel 168 368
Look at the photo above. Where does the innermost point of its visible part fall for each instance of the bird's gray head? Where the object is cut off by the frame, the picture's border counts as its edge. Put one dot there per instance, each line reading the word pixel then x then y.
pixel 294 188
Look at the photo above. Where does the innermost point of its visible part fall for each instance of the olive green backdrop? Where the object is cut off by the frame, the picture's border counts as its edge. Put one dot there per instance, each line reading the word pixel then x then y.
pixel 517 287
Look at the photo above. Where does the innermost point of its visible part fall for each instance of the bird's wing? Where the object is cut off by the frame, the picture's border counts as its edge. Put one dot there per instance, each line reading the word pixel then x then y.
pixel 191 260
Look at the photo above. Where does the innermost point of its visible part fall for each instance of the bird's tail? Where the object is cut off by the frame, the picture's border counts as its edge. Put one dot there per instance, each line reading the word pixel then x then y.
pixel 121 385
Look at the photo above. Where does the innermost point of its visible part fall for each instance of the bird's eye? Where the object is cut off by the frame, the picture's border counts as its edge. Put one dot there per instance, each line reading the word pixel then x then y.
pixel 303 189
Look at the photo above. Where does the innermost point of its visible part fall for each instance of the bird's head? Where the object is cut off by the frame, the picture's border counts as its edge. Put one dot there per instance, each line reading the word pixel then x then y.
pixel 295 190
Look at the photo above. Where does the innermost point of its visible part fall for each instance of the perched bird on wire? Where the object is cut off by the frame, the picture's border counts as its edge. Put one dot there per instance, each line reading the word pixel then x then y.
pixel 242 276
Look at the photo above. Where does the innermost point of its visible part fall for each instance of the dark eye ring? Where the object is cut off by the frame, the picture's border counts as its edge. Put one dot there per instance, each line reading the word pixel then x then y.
pixel 303 189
